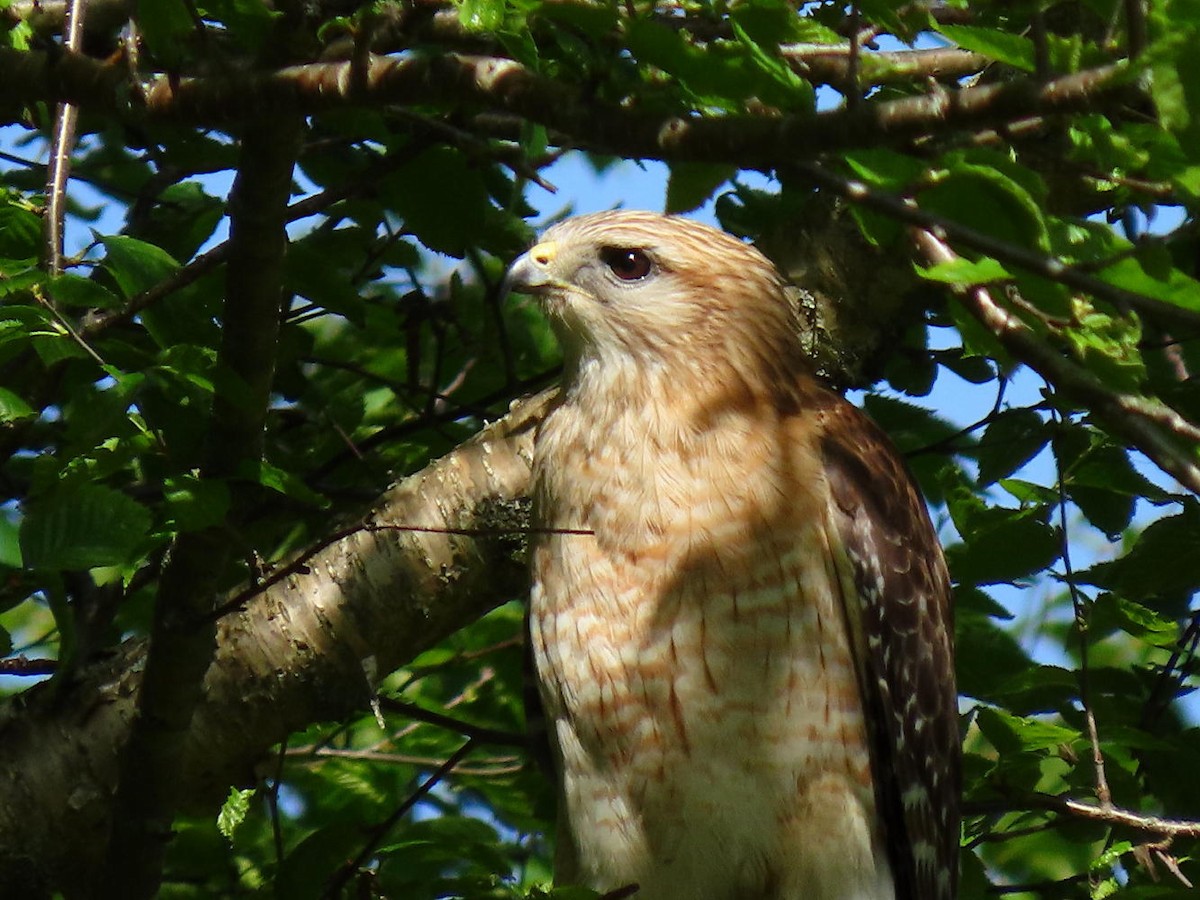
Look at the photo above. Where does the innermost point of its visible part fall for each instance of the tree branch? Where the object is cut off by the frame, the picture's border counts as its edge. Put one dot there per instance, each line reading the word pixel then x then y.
pixel 503 85
pixel 182 641
pixel 1155 429
pixel 293 656
pixel 1037 263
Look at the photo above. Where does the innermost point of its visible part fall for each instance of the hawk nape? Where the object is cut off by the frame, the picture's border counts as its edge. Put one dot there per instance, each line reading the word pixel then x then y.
pixel 746 661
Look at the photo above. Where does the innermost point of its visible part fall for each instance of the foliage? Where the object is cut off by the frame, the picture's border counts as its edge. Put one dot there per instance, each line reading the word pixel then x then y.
pixel 1039 162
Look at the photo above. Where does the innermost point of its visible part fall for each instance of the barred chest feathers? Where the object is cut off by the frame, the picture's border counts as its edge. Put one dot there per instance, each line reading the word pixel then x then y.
pixel 695 666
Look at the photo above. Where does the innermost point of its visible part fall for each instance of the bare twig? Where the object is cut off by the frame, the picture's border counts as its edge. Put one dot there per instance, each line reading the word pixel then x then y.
pixel 62 143
pixel 1079 605
pixel 478 733
pixel 335 884
pixel 1115 816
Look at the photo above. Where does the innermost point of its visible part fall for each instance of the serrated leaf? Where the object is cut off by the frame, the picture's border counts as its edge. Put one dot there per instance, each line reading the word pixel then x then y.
pixel 1018 734
pixel 991 201
pixel 1111 610
pixel 136 265
pixel 1002 46
pixel 82 528
pixel 481 15
pixel 19 231
pixel 442 199
pixel 986 656
pixel 13 408
pixel 910 426
pixel 1029 545
pixel 965 272
pixel 233 811
pixel 73 290
pixel 1152 566
pixel 881 167
pixel 776 70
pixel 1010 440
pixel 284 482
pixel 1176 287
pixel 165 26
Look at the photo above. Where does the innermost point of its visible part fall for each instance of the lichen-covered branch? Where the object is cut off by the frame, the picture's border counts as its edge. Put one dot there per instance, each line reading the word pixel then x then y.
pixel 503 85
pixel 297 653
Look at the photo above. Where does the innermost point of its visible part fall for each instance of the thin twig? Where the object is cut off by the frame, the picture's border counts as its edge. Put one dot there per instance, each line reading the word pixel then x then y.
pixel 854 93
pixel 947 230
pixel 1115 816
pixel 62 144
pixel 1080 607
pixel 1155 429
pixel 333 887
pixel 273 802
pixel 479 733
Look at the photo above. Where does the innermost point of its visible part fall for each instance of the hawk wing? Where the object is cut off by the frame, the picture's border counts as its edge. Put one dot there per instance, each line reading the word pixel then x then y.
pixel 896 593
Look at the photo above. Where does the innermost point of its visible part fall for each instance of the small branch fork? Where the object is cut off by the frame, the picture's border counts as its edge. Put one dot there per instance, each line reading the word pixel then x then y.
pixel 1153 427
pixel 1112 815
pixel 336 884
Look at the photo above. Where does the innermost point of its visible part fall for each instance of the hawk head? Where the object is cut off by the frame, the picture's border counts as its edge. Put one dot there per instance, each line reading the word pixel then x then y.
pixel 650 290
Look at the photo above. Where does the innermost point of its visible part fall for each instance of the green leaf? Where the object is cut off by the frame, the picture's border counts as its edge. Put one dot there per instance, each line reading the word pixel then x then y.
pixel 165 26
pixel 442 199
pixel 987 656
pixel 72 290
pixel 965 272
pixel 1112 611
pixel 596 20
pixel 20 229
pixel 1001 46
pixel 1109 345
pixel 1018 734
pixel 249 22
pixel 194 504
pixel 910 426
pixel 481 15
pixel 884 168
pixel 1152 566
pixel 1176 287
pixel 83 527
pixel 233 811
pixel 796 92
pixel 284 482
pixel 135 265
pixel 1010 440
pixel 690 185
pixel 10 546
pixel 988 200
pixel 1030 545
pixel 13 408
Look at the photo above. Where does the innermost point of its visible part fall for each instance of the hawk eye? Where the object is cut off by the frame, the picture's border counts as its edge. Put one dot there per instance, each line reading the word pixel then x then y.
pixel 626 263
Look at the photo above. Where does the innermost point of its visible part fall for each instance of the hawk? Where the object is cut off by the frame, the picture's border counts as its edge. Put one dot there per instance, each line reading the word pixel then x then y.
pixel 740 613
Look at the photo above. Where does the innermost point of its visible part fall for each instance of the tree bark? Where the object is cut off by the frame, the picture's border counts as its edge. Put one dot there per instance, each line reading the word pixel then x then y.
pixel 302 650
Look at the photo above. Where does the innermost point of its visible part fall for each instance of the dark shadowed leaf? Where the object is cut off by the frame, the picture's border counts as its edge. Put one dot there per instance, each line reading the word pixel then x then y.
pixel 82 527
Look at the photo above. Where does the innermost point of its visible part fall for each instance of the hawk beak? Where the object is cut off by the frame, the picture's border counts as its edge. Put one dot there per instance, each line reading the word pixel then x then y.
pixel 530 272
